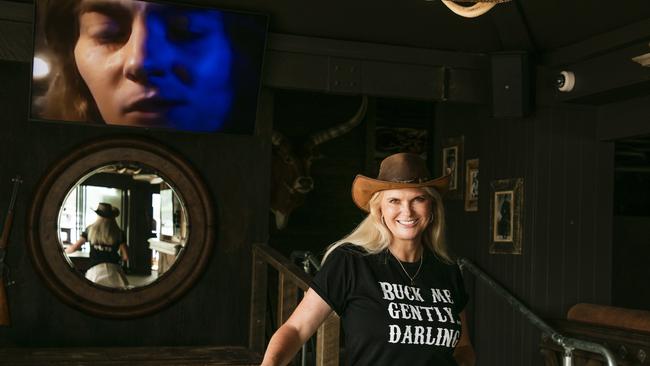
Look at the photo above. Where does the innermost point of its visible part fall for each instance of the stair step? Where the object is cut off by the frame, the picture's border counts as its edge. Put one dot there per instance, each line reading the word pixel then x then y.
pixel 141 356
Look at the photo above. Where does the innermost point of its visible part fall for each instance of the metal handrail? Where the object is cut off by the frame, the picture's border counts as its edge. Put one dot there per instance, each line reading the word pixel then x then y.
pixel 569 344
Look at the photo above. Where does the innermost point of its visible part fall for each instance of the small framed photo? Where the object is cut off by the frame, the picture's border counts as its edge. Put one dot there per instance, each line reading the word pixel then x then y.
pixel 471 185
pixel 506 216
pixel 452 154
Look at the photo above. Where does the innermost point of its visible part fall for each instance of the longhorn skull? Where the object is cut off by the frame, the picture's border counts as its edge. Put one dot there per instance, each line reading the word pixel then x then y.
pixel 479 8
pixel 290 167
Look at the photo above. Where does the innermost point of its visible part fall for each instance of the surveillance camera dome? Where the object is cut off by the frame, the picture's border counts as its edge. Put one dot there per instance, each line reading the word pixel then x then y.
pixel 560 80
pixel 565 81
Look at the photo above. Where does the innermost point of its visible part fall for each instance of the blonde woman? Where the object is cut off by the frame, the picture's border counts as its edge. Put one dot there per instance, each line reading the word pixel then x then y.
pixel 392 281
pixel 107 248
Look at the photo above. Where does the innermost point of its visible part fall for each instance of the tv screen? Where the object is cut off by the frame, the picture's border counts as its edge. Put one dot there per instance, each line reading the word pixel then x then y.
pixel 147 64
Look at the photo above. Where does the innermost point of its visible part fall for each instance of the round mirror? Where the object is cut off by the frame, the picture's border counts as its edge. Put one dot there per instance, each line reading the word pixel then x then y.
pixel 121 227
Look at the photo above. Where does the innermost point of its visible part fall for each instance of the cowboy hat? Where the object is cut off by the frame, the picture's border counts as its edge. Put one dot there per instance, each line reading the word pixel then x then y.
pixel 402 170
pixel 106 210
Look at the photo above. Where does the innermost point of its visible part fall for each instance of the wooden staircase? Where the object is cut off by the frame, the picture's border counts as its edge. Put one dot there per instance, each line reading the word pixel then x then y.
pixel 291 279
pixel 141 356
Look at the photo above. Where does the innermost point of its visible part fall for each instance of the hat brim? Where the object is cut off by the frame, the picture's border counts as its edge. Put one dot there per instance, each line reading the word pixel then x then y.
pixel 363 188
pixel 115 212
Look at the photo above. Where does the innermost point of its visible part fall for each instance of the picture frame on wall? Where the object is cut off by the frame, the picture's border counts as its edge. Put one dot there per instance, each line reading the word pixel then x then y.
pixel 506 216
pixel 471 185
pixel 452 154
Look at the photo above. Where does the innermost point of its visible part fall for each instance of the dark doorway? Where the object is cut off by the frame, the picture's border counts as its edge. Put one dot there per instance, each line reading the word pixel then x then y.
pixel 631 224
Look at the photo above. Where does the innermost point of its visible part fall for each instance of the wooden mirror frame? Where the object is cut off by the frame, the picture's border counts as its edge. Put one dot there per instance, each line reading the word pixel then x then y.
pixel 66 282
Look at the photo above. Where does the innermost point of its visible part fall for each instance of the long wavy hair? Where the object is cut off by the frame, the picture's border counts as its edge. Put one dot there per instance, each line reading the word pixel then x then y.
pixel 373 236
pixel 104 231
pixel 67 96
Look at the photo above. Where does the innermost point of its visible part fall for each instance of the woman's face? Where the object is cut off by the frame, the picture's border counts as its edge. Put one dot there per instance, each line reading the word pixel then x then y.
pixel 155 65
pixel 406 212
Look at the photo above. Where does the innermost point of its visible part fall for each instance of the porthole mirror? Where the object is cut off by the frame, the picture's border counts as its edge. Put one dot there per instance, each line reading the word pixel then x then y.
pixel 121 227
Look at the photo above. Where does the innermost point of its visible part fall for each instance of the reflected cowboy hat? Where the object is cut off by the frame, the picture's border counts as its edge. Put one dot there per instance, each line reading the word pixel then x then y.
pixel 107 211
pixel 402 170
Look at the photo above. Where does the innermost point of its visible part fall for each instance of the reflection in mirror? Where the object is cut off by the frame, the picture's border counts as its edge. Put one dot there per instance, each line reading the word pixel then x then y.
pixel 122 226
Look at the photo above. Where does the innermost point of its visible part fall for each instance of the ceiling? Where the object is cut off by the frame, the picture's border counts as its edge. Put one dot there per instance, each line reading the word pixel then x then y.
pixel 545 24
pixel 535 25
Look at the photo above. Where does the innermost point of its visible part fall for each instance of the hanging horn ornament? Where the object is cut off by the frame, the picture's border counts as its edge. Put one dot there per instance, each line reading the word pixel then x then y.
pixel 472 11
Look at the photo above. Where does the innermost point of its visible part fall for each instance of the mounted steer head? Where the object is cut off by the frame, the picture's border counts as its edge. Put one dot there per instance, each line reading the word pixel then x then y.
pixel 290 167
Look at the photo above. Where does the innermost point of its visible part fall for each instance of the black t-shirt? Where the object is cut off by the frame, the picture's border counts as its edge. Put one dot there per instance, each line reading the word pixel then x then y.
pixel 386 320
pixel 105 253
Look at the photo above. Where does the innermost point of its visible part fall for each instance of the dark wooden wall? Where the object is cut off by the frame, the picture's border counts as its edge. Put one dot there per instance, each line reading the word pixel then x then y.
pixel 568 175
pixel 215 311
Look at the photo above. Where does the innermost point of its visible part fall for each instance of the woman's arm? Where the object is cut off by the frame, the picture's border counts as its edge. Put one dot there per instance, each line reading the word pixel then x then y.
pixel 464 352
pixel 308 316
pixel 124 253
pixel 74 247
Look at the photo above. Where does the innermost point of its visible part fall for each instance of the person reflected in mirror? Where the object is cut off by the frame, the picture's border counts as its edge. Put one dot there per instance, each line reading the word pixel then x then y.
pixel 392 281
pixel 107 248
pixel 136 63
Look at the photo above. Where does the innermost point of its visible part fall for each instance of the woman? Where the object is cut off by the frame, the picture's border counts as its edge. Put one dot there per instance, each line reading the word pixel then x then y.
pixel 399 295
pixel 107 248
pixel 136 63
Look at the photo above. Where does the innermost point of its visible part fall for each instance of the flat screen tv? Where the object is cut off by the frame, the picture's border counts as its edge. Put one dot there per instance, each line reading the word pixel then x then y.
pixel 147 64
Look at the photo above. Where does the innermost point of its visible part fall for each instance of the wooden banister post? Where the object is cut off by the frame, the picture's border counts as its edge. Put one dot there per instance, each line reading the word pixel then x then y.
pixel 287 298
pixel 257 325
pixel 327 342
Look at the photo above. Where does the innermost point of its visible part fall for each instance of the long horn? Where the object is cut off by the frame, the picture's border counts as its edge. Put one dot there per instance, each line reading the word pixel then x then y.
pixel 473 11
pixel 333 132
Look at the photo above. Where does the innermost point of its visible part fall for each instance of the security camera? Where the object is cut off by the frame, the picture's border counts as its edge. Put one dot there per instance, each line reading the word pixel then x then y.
pixel 565 81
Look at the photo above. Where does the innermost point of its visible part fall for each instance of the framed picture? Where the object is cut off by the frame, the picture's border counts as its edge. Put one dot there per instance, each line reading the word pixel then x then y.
pixel 506 216
pixel 471 185
pixel 452 154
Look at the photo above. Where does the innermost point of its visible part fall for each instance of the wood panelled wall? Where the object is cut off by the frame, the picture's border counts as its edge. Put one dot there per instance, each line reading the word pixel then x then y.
pixel 215 311
pixel 567 220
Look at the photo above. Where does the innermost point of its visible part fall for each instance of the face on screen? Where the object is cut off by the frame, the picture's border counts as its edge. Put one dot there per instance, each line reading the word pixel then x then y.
pixel 155 65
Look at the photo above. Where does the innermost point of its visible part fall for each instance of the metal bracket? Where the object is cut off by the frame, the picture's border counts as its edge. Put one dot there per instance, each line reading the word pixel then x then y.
pixel 344 75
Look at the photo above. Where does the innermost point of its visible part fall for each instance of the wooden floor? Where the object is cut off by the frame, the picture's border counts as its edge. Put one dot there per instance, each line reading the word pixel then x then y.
pixel 140 356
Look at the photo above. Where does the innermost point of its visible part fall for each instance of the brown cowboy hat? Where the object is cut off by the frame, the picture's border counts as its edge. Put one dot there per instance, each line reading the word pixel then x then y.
pixel 106 210
pixel 402 170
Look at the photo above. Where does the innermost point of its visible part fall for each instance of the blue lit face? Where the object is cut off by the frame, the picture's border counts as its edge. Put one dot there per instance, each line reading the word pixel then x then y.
pixel 155 65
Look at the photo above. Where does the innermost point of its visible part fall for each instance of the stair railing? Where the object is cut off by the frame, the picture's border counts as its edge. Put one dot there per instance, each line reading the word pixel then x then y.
pixel 291 278
pixel 567 343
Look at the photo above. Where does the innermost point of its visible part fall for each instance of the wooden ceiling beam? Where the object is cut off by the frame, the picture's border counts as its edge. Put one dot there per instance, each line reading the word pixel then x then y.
pixel 345 67
pixel 608 77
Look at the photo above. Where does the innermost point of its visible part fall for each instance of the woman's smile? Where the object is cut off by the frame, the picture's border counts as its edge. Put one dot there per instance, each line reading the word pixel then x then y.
pixel 405 212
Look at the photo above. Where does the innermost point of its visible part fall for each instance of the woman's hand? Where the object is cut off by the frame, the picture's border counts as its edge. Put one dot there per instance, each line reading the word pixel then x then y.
pixel 464 352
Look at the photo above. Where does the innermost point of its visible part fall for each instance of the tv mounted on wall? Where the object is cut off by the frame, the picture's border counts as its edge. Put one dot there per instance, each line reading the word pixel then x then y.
pixel 147 64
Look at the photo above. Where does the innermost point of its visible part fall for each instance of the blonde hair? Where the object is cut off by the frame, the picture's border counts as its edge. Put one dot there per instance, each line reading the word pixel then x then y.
pixel 373 236
pixel 104 231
